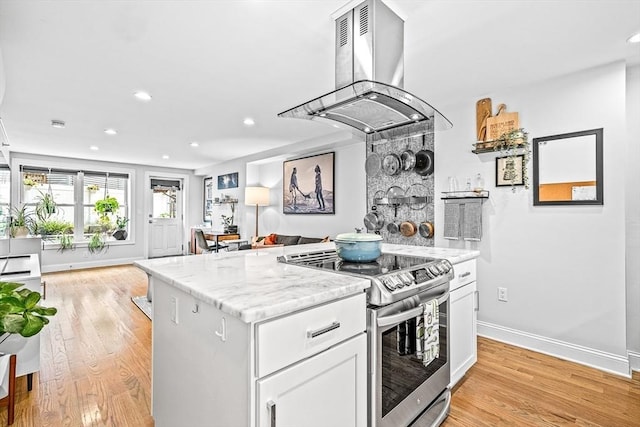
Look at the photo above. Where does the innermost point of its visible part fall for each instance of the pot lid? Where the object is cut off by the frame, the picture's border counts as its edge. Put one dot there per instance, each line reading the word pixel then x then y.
pixel 358 237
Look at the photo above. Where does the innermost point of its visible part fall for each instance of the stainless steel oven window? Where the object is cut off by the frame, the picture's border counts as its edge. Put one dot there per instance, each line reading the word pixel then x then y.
pixel 402 370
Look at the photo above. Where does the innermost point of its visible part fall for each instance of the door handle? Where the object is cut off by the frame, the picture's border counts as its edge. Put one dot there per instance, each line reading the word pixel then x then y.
pixel 271 407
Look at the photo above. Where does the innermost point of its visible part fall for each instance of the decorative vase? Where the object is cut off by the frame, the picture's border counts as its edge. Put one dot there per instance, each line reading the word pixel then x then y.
pixel 120 234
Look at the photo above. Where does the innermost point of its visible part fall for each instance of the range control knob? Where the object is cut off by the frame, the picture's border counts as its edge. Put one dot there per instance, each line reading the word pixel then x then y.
pixel 388 283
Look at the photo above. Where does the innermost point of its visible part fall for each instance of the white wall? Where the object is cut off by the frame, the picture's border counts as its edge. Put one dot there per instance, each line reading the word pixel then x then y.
pixel 564 267
pixel 633 215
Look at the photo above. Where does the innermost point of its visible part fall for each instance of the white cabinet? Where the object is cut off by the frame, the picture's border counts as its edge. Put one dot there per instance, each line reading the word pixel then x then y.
pixel 463 320
pixel 328 389
pixel 211 369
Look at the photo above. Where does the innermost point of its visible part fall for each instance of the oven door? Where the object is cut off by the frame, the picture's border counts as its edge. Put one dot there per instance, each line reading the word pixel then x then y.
pixel 401 387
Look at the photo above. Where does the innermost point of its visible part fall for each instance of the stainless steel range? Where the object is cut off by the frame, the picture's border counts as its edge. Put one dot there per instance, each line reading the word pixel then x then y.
pixel 407 384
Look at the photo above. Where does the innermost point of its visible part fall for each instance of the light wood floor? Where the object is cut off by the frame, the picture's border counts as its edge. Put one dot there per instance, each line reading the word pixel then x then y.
pixel 95 370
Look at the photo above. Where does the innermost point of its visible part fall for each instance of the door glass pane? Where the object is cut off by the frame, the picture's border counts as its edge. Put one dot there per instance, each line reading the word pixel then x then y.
pixel 164 202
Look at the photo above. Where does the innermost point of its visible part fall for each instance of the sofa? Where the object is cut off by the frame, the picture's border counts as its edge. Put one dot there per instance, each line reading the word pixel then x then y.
pixel 273 240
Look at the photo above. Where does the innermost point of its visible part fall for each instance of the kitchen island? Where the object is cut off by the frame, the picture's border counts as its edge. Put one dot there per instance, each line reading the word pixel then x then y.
pixel 240 339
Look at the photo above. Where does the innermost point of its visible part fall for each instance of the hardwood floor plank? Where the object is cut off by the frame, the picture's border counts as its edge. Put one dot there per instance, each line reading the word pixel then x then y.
pixel 96 370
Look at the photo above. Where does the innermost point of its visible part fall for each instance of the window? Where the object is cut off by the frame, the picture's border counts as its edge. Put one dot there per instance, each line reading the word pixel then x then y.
pixel 76 195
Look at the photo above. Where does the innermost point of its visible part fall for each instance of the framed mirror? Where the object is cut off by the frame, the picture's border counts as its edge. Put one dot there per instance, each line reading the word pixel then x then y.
pixel 567 169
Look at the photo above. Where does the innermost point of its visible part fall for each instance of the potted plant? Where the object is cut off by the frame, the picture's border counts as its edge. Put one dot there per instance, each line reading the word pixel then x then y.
pixel 51 227
pixel 20 312
pixel 107 205
pixel 45 206
pixel 29 183
pixel 92 188
pixel 96 243
pixel 66 242
pixel 21 221
pixel 121 232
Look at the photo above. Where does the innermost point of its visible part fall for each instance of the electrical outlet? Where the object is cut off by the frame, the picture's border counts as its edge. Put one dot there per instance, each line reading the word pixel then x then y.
pixel 502 294
pixel 174 310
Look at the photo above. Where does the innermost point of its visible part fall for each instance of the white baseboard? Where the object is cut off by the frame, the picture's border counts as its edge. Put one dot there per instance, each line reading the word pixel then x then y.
pixel 88 264
pixel 634 360
pixel 604 361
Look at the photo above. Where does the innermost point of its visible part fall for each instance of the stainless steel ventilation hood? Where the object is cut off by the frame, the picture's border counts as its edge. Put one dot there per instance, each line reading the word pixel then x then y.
pixel 370 76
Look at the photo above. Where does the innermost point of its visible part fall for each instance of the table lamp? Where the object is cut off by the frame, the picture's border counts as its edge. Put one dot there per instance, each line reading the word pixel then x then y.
pixel 258 196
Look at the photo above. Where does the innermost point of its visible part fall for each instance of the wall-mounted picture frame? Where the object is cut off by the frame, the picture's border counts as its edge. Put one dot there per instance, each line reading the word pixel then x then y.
pixel 509 171
pixel 208 199
pixel 228 180
pixel 308 185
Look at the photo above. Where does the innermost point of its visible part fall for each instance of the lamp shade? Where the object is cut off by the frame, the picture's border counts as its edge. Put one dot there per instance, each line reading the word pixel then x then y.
pixel 258 196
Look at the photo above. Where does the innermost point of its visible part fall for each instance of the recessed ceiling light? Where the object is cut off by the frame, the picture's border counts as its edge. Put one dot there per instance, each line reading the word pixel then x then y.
pixel 110 131
pixel 58 124
pixel 94 148
pixel 142 96
pixel 634 38
pixel 194 144
pixel 249 121
pixel 165 156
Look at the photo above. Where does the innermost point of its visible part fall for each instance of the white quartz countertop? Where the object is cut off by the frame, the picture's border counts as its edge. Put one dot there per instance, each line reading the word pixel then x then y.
pixel 252 285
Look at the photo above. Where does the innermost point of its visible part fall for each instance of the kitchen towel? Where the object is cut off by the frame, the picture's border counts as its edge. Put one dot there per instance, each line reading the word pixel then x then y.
pixel 472 228
pixel 428 333
pixel 451 219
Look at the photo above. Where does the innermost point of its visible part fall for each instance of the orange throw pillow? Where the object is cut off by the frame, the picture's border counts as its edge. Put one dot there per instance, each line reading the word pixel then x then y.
pixel 270 239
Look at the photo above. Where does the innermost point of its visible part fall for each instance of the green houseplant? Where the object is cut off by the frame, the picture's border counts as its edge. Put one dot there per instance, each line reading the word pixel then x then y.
pixel 96 243
pixel 66 242
pixel 107 205
pixel 21 221
pixel 45 206
pixel 20 312
pixel 121 232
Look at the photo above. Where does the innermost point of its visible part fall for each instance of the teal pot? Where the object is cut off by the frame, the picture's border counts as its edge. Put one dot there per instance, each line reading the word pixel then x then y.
pixel 358 247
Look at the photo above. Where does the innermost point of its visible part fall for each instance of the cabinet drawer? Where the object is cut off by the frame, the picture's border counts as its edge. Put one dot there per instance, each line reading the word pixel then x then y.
pixel 285 340
pixel 464 273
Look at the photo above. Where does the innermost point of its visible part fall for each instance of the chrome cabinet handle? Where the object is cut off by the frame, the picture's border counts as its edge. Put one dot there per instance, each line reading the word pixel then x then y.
pixel 477 300
pixel 317 332
pixel 465 274
pixel 271 407
pixel 222 334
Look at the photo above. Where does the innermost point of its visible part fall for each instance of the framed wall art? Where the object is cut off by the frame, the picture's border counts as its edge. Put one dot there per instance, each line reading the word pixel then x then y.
pixel 229 180
pixel 308 185
pixel 509 171
pixel 208 199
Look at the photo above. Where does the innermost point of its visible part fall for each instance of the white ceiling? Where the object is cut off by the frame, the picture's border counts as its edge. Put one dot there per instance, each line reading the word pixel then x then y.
pixel 210 64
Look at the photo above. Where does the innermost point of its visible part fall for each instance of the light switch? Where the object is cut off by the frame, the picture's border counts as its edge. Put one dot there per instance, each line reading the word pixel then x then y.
pixel 174 310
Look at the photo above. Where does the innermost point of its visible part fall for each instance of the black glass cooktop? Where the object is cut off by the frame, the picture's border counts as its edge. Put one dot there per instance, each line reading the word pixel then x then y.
pixel 384 264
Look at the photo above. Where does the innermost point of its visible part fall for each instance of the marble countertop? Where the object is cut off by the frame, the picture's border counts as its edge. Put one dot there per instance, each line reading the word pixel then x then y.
pixel 252 285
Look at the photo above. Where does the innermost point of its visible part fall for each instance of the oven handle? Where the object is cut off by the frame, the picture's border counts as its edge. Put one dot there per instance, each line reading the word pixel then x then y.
pixel 405 315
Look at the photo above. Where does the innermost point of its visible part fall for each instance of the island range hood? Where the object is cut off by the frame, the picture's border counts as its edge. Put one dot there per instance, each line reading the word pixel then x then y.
pixel 370 76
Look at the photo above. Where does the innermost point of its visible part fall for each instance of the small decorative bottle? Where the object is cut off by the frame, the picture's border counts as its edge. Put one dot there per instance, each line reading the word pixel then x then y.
pixel 479 184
